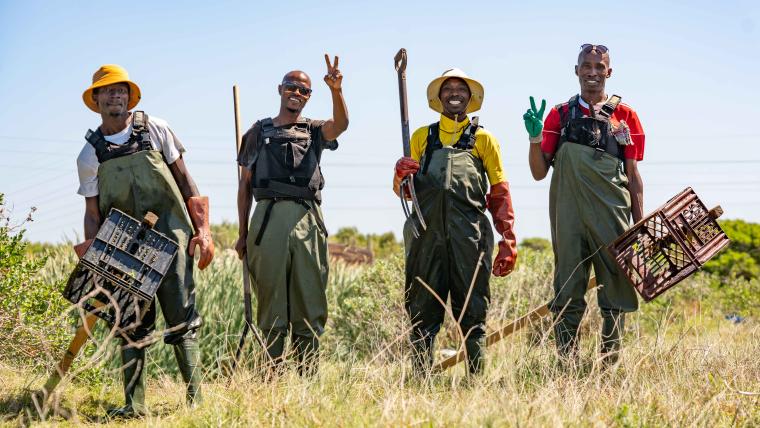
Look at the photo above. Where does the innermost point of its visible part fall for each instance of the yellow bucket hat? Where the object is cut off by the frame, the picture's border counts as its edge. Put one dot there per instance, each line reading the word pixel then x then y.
pixel 434 89
pixel 108 75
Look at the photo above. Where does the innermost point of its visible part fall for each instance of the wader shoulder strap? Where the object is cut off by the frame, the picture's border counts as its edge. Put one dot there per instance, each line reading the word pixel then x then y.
pixel 140 132
pixel 567 111
pixel 139 140
pixel 95 138
pixel 266 127
pixel 467 140
pixel 609 107
pixel 432 142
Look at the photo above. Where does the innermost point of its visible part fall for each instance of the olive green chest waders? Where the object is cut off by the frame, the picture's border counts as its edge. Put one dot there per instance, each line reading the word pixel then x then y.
pixel 451 187
pixel 137 183
pixel 287 241
pixel 589 206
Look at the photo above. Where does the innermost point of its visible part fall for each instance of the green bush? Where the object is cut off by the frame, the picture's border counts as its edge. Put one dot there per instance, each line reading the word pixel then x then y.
pixel 383 245
pixel 30 306
pixel 742 259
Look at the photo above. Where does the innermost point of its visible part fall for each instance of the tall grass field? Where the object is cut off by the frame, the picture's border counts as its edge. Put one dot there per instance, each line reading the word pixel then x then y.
pixel 691 358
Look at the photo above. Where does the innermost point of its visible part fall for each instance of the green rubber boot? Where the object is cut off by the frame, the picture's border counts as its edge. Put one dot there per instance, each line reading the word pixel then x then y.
pixel 306 349
pixel 566 334
pixel 613 326
pixel 474 347
pixel 188 356
pixel 275 361
pixel 133 361
pixel 422 354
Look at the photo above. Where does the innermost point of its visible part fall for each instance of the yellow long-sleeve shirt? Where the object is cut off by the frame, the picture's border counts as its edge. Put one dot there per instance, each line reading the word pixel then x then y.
pixel 486 146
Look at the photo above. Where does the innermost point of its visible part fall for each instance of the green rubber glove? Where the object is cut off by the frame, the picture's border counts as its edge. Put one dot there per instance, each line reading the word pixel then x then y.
pixel 534 119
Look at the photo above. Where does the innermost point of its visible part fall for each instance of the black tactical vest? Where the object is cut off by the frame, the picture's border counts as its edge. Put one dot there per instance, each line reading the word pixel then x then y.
pixel 287 163
pixel 466 140
pixel 594 130
pixel 138 141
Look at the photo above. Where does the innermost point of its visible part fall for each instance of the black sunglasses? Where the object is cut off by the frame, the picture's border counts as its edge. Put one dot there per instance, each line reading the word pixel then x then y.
pixel 599 48
pixel 295 87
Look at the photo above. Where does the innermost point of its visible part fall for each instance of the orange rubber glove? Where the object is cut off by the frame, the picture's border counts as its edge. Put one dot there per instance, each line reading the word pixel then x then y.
pixel 82 247
pixel 197 207
pixel 404 167
pixel 499 203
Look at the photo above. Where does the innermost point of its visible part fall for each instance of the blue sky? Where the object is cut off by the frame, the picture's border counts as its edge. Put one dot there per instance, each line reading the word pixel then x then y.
pixel 690 69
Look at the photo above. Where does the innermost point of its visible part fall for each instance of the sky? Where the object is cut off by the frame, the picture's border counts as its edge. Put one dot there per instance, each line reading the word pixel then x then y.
pixel 690 69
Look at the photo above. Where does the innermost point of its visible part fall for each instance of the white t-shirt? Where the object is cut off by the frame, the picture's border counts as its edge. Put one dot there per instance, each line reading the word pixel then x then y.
pixel 161 138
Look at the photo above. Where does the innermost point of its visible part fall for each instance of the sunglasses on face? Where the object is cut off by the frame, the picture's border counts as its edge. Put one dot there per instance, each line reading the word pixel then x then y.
pixel 599 48
pixel 294 87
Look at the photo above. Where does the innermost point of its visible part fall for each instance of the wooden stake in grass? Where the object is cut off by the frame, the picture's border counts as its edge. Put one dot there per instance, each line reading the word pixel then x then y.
pixel 505 331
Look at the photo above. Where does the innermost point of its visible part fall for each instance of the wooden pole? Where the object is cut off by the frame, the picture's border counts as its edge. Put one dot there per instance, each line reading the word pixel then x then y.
pixel 506 330
pixel 80 338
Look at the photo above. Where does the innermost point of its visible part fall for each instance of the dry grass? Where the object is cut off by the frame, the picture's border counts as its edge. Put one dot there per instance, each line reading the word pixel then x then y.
pixel 683 365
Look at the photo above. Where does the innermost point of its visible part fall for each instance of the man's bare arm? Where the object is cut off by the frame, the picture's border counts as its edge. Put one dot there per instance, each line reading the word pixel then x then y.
pixel 332 128
pixel 538 161
pixel 636 189
pixel 91 217
pixel 183 179
pixel 244 199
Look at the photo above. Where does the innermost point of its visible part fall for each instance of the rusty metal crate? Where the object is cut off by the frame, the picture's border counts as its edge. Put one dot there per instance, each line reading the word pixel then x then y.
pixel 669 245
pixel 122 269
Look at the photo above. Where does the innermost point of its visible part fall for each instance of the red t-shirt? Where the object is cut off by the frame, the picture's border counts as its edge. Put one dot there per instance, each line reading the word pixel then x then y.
pixel 552 128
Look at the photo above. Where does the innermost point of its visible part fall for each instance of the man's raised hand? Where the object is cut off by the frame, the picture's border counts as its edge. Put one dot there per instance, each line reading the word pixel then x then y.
pixel 333 78
pixel 534 118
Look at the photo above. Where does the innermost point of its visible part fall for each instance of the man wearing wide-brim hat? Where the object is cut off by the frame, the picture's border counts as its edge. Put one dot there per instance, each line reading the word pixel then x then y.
pixel 454 161
pixel 133 162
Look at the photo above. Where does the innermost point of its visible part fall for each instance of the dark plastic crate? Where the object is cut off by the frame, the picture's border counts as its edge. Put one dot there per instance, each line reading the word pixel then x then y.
pixel 121 270
pixel 670 244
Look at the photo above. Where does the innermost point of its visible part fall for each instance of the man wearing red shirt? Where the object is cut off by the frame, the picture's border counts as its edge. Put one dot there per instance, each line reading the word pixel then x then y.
pixel 595 191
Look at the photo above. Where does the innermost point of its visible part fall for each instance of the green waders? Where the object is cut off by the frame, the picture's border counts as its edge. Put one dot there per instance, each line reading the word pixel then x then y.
pixel 452 198
pixel 589 206
pixel 136 184
pixel 289 269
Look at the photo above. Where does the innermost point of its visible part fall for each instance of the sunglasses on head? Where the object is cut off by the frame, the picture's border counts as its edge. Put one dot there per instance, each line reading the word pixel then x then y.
pixel 295 87
pixel 599 48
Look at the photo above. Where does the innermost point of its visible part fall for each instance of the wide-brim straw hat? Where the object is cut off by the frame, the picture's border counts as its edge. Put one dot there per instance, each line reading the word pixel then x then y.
pixel 434 90
pixel 108 75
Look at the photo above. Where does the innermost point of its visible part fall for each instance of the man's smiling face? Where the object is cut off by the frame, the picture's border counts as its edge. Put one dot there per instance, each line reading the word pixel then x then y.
pixel 454 96
pixel 112 100
pixel 593 70
pixel 295 91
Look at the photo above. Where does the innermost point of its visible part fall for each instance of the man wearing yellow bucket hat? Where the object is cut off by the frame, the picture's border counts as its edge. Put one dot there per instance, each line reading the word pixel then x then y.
pixel 133 162
pixel 454 160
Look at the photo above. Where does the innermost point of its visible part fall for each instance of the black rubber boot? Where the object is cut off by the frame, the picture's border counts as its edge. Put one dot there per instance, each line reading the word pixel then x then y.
pixel 133 361
pixel 422 353
pixel 613 327
pixel 474 347
pixel 306 349
pixel 188 356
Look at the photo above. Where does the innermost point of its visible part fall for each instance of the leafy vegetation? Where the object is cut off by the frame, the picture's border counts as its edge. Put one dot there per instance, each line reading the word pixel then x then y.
pixel 742 258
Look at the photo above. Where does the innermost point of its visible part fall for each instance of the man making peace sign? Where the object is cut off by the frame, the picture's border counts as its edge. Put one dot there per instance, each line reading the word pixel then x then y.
pixel 287 244
pixel 595 190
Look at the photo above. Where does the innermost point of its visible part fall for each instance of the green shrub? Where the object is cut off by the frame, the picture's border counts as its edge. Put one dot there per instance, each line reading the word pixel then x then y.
pixel 742 258
pixel 30 305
